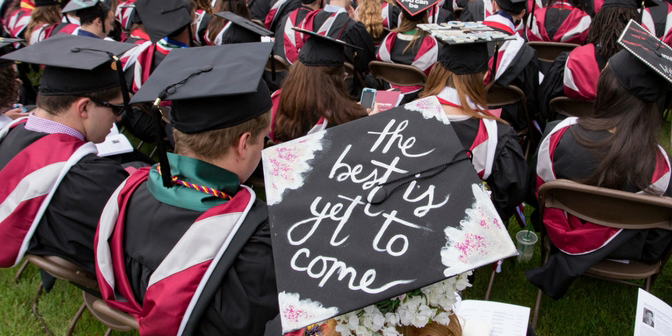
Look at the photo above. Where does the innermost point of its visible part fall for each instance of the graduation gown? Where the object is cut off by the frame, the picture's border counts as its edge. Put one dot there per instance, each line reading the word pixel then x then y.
pixel 239 296
pixel 259 8
pixel 230 34
pixel 390 15
pixel 69 223
pixel 476 10
pixel 561 22
pixel 201 26
pixel 16 22
pixel 585 243
pixel 517 65
pixel 422 55
pixel 277 13
pixel 658 20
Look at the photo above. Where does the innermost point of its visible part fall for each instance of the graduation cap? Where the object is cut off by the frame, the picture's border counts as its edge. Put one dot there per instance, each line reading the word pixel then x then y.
pixel 40 3
pixel 244 23
pixel 644 66
pixel 223 89
pixel 415 7
pixel 76 65
pixel 464 58
pixel 320 50
pixel 86 9
pixel 163 18
pixel 634 4
pixel 6 47
pixel 513 6
pixel 337 247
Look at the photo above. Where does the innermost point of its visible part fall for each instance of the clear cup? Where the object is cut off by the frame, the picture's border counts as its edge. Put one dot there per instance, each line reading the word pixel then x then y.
pixel 526 241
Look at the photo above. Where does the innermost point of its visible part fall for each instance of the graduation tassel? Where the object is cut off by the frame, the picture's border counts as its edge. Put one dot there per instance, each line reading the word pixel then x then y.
pixel 493 76
pixel 641 13
pixel 272 65
pixel 160 144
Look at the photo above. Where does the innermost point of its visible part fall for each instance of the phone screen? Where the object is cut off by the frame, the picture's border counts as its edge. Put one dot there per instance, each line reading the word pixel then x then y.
pixel 368 97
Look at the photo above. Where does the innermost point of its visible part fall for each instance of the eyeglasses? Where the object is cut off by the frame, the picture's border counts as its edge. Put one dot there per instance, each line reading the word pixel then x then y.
pixel 117 109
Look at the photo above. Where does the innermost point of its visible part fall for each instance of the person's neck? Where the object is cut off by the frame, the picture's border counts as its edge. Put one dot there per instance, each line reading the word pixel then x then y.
pixel 61 118
pixel 339 3
pixel 314 6
pixel 183 37
pixel 93 29
pixel 452 110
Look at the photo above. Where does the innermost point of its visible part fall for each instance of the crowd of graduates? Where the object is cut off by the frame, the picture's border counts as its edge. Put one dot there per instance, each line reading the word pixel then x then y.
pixel 182 245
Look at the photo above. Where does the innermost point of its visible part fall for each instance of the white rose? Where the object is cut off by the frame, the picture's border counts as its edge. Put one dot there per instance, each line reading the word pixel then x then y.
pixel 378 320
pixel 367 321
pixel 353 321
pixel 392 319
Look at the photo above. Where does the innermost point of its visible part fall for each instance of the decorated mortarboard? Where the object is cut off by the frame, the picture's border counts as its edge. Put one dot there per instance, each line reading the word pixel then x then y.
pixel 320 50
pixel 644 66
pixel 40 3
pixel 75 64
pixel 163 18
pixel 635 4
pixel 245 23
pixel 374 208
pixel 512 6
pixel 223 89
pixel 415 7
pixel 7 45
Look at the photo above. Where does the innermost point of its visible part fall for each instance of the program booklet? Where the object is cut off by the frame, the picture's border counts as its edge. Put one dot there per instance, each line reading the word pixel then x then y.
pixel 653 317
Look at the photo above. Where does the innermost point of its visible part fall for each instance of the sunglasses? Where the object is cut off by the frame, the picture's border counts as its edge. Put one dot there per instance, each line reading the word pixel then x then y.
pixel 117 109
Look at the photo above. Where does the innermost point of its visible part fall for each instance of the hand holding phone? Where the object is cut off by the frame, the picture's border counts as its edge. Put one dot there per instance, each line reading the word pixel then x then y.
pixel 368 98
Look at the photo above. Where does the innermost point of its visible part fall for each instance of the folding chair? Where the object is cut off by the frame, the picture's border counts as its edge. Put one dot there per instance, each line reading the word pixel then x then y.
pixel 397 74
pixel 549 51
pixel 572 107
pixel 352 74
pixel 281 64
pixel 257 21
pixel 499 96
pixel 112 318
pixel 612 208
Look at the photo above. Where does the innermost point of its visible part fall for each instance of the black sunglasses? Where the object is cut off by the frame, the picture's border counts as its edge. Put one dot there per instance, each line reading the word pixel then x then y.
pixel 117 109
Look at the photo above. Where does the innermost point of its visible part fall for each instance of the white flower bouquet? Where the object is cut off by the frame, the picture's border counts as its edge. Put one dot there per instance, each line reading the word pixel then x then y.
pixel 418 308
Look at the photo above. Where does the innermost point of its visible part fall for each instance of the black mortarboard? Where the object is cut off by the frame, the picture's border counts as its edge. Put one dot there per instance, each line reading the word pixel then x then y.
pixel 87 9
pixel 6 47
pixel 465 58
pixel 75 64
pixel 512 6
pixel 644 66
pixel 413 7
pixel 320 50
pixel 223 89
pixel 163 18
pixel 635 4
pixel 40 3
pixel 244 23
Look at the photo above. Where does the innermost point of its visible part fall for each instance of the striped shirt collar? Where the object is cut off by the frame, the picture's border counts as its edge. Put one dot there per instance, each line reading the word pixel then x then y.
pixel 42 125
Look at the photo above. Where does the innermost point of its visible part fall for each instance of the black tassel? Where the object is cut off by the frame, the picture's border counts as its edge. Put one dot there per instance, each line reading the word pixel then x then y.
pixel 272 65
pixel 160 144
pixel 122 81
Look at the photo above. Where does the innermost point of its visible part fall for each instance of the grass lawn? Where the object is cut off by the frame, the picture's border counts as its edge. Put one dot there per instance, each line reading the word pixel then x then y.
pixel 591 307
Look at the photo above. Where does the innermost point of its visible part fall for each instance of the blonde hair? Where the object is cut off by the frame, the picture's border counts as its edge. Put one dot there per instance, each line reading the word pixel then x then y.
pixel 41 15
pixel 214 144
pixel 435 329
pixel 407 25
pixel 467 86
pixel 369 12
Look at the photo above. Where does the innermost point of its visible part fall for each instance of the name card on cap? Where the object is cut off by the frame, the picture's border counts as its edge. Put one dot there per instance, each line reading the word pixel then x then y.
pixel 414 7
pixel 647 48
pixel 375 208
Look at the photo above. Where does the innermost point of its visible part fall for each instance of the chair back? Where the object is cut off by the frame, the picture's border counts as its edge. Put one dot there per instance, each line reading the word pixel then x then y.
pixel 397 74
pixel 280 64
pixel 257 21
pixel 549 51
pixel 498 95
pixel 608 207
pixel 572 107
pixel 62 269
pixel 112 318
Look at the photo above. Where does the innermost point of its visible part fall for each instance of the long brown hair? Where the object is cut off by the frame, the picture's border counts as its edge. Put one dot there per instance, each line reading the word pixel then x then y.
pixel 467 86
pixel 628 155
pixel 309 93
pixel 42 15
pixel 216 24
pixel 408 25
pixel 607 26
pixel 369 12
pixel 202 4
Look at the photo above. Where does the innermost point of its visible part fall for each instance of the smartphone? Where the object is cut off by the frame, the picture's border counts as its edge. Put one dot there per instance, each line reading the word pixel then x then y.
pixel 368 97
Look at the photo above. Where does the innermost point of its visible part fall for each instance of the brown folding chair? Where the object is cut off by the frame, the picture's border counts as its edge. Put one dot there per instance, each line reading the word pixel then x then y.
pixel 498 96
pixel 352 74
pixel 397 74
pixel 281 64
pixel 612 208
pixel 112 318
pixel 62 269
pixel 572 107
pixel 549 51
pixel 257 21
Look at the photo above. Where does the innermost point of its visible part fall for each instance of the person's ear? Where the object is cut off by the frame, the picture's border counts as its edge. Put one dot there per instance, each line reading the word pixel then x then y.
pixel 522 14
pixel 244 145
pixel 98 22
pixel 83 107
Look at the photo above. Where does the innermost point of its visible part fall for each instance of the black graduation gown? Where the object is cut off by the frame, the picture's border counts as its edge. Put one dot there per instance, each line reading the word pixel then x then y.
pixel 472 10
pixel 509 170
pixel 239 298
pixel 575 162
pixel 552 86
pixel 69 224
pixel 287 8
pixel 259 8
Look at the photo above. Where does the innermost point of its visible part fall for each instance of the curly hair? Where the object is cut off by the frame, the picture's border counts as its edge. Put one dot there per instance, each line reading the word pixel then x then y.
pixel 607 26
pixel 9 87
pixel 369 12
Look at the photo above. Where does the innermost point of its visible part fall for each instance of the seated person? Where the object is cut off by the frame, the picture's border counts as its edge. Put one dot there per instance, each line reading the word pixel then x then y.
pixel 313 95
pixel 601 151
pixel 457 81
pixel 517 62
pixel 575 74
pixel 222 31
pixel 75 108
pixel 47 13
pixel 17 17
pixel 279 10
pixel 476 10
pixel 288 42
pixel 189 222
pixel 411 46
pixel 372 15
pixel 560 21
pixel 390 13
pixel 203 14
pixel 10 87
pixel 656 20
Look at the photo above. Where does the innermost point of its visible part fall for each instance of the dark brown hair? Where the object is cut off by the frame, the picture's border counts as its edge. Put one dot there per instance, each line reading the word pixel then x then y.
pixel 216 24
pixel 607 26
pixel 309 93
pixel 9 87
pixel 628 155
pixel 407 25
pixel 59 104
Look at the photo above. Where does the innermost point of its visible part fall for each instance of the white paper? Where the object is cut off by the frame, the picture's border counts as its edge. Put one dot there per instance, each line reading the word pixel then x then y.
pixel 115 143
pixel 503 318
pixel 653 317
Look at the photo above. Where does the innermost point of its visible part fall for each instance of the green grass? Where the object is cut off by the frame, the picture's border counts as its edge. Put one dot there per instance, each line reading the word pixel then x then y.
pixel 591 307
